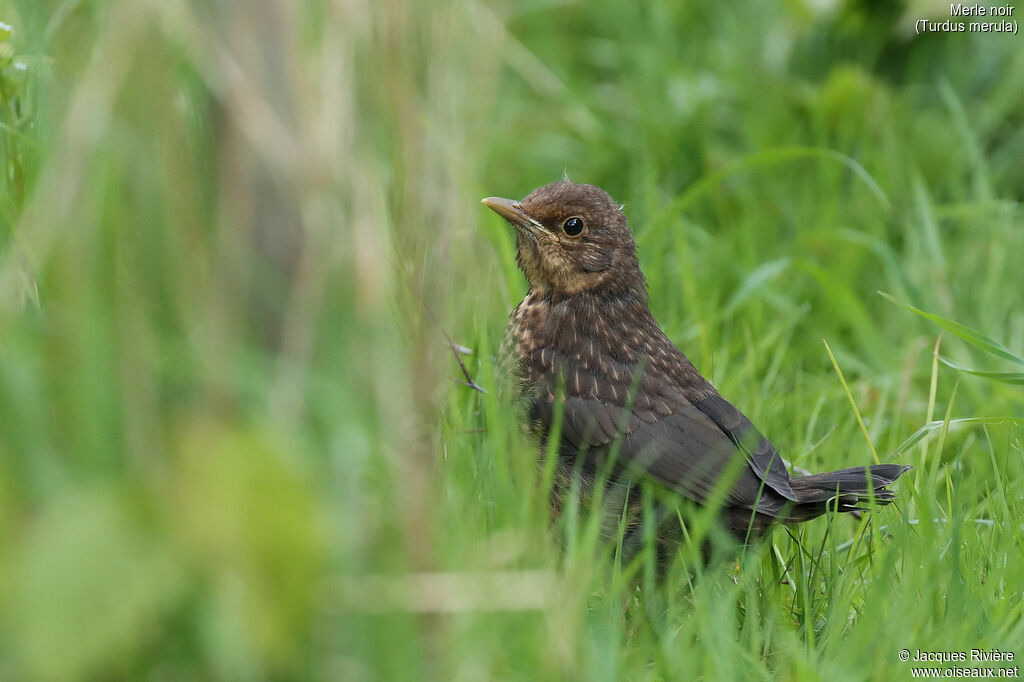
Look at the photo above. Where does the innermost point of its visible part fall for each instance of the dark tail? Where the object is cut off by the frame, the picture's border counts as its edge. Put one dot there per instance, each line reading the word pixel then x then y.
pixel 847 489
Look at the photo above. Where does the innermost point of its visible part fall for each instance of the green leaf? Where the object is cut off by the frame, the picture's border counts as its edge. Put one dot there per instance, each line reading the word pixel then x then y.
pixel 1005 377
pixel 969 335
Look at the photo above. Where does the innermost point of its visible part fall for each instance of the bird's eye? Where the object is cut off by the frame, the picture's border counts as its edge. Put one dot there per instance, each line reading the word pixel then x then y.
pixel 573 226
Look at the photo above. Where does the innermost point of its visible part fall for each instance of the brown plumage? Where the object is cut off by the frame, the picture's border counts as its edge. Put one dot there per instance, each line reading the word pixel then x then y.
pixel 585 327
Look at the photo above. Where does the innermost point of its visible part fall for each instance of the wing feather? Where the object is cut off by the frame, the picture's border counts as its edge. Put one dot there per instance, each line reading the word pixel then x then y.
pixel 684 450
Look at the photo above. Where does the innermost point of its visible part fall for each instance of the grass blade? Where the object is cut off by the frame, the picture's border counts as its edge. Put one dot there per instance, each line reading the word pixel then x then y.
pixel 1005 377
pixel 932 426
pixel 853 403
pixel 969 335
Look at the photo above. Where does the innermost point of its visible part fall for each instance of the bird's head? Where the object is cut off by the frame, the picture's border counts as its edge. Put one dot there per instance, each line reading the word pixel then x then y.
pixel 572 238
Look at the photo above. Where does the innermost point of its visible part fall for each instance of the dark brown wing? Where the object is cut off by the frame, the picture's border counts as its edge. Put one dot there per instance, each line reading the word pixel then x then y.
pixel 670 439
pixel 761 454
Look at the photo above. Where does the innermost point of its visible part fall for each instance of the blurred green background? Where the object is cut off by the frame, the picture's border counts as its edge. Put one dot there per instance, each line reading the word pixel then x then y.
pixel 231 446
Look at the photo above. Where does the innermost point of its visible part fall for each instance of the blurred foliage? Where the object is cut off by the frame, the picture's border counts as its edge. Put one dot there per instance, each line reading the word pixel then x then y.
pixel 230 446
pixel 15 117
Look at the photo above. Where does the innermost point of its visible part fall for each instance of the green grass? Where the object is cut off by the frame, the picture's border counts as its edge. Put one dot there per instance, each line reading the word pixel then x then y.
pixel 231 446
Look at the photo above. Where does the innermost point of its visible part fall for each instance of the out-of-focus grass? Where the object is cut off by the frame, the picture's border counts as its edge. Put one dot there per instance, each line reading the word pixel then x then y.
pixel 230 446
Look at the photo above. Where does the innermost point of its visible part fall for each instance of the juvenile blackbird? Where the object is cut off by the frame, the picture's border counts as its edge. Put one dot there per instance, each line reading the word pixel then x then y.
pixel 635 408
